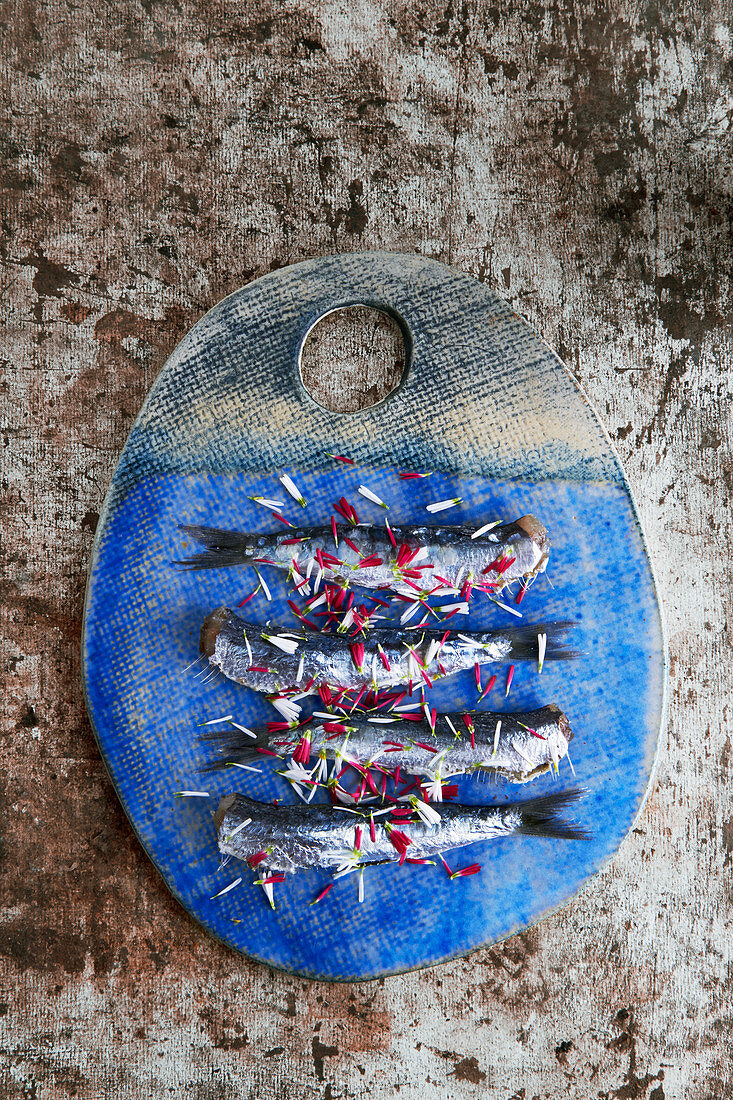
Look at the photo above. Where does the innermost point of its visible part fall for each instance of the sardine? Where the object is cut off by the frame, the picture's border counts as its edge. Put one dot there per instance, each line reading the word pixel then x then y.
pixel 273 659
pixel 293 838
pixel 434 558
pixel 517 747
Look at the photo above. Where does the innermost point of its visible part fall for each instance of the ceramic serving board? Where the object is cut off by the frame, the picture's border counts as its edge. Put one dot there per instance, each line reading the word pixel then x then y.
pixel 498 421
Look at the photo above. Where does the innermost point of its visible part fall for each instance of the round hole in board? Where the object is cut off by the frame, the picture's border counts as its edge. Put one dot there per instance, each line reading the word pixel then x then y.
pixel 353 358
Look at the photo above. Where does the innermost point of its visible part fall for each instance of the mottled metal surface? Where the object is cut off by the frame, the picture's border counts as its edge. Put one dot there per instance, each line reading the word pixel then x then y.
pixel 157 156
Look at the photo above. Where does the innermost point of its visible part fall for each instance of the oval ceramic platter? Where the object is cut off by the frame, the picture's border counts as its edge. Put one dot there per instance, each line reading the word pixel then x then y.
pixel 497 420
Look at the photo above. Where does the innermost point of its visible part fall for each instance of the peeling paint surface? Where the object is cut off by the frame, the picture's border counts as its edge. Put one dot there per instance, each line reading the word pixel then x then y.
pixel 155 157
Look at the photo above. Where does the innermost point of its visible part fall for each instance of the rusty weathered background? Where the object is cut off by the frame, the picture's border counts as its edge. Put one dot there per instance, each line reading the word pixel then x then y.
pixel 577 156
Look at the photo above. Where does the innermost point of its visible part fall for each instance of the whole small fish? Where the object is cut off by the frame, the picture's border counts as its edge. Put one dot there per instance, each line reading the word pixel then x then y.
pixel 272 659
pixel 294 838
pixel 439 558
pixel 518 747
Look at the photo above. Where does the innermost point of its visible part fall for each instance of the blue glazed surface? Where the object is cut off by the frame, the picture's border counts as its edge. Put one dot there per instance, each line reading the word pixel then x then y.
pixel 207 438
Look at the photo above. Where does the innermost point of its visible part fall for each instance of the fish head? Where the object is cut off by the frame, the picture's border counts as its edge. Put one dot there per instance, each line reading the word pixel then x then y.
pixel 541 748
pixel 210 629
pixel 225 804
pixel 540 549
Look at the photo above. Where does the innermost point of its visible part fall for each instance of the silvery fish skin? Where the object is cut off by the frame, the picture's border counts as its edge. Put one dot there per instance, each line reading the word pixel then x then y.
pixel 242 651
pixel 503 744
pixel 301 837
pixel 450 552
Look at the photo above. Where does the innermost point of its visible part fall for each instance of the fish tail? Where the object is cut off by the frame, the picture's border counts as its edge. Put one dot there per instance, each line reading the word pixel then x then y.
pixel 539 816
pixel 235 747
pixel 525 642
pixel 221 548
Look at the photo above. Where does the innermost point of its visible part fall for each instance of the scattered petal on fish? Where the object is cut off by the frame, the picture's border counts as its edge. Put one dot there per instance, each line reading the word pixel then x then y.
pixel 542 648
pixel 486 528
pixel 287 645
pixel 518 749
pixel 289 710
pixel 411 611
pixel 242 825
pixel 426 813
pixel 244 729
pixel 434 790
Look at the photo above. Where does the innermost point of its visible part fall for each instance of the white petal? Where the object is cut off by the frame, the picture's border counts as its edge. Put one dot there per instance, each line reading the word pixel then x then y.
pixel 486 527
pixel 242 825
pixel 441 505
pixel 287 645
pixel 524 756
pixel 412 609
pixel 265 589
pixel 288 710
pixel 228 888
pixel 427 813
pixel 243 729
pixel 542 647
pixel 292 488
pixel 369 495
pixel 506 607
pixel 347 621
